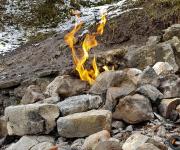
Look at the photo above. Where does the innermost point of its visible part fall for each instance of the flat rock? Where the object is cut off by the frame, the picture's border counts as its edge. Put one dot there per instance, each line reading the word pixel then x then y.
pixel 167 106
pixel 79 103
pixel 10 83
pixel 84 124
pixel 133 109
pixel 134 141
pixel 33 143
pixel 31 119
pixel 32 95
pixel 92 141
pixel 151 92
pixel 147 146
pixel 163 68
pixel 65 86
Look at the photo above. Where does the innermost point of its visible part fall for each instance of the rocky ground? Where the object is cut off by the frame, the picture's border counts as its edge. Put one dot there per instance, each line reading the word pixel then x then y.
pixel 45 106
pixel 134 107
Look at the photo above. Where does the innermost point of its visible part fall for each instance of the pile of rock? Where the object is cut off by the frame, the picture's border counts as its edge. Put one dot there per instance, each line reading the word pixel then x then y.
pixel 71 115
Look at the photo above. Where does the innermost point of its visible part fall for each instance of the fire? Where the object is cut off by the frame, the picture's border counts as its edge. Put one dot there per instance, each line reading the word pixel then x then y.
pixel 88 43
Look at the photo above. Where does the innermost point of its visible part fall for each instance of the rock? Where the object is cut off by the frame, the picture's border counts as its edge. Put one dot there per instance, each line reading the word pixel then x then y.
pixel 111 144
pixel 163 68
pixel 111 58
pixel 167 106
pixel 10 83
pixel 148 76
pixel 140 57
pixel 170 86
pixel 151 92
pixel 3 127
pixel 134 141
pixel 161 131
pixel 32 95
pixel 133 109
pixel 65 86
pixel 165 53
pixel 62 144
pixel 77 144
pixel 118 124
pixel 157 144
pixel 113 93
pixel 79 103
pixel 92 141
pixel 129 128
pixel 133 74
pixel 153 40
pixel 33 143
pixel 84 124
pixel 147 146
pixel 105 80
pixel 178 109
pixel 50 100
pixel 173 30
pixel 31 119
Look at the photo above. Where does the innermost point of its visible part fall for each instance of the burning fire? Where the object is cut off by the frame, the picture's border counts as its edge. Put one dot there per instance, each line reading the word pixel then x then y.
pixel 88 43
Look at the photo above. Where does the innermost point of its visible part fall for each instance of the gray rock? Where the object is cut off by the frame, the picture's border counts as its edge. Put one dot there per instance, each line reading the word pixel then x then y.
pixel 31 119
pixel 107 79
pixel 170 86
pixel 165 53
pixel 79 103
pixel 113 93
pixel 32 95
pixel 133 74
pixel 147 146
pixel 152 40
pixel 77 144
pixel 93 140
pixel 149 76
pixel 84 124
pixel 66 86
pixel 33 142
pixel 173 30
pixel 133 109
pixel 163 68
pixel 10 83
pixel 151 92
pixel 50 100
pixel 134 141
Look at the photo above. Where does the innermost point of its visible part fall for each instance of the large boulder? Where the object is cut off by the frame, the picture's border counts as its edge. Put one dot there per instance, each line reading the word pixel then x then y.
pixel 79 103
pixel 33 143
pixel 65 86
pixel 32 95
pixel 133 109
pixel 84 124
pixel 31 119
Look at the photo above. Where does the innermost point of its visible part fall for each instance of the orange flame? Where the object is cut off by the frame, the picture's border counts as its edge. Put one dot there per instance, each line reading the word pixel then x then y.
pixel 88 43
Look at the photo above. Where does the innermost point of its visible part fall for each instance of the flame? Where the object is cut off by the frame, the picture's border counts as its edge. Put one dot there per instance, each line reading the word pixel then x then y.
pixel 88 43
